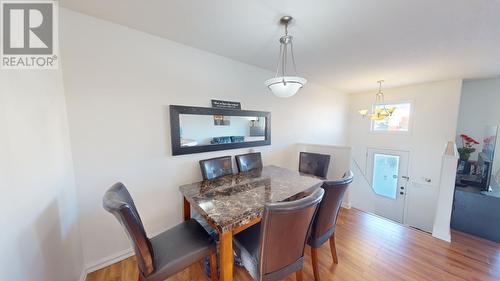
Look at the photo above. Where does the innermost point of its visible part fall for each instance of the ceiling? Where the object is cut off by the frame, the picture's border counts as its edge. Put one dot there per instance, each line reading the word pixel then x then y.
pixel 343 44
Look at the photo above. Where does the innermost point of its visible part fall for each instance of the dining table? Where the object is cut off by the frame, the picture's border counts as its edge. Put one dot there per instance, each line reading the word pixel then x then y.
pixel 232 203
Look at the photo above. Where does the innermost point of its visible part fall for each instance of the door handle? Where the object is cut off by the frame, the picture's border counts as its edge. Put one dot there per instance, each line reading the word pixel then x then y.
pixel 405 177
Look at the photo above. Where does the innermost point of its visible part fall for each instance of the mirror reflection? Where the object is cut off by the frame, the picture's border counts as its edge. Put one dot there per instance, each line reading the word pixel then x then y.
pixel 198 130
pixel 478 162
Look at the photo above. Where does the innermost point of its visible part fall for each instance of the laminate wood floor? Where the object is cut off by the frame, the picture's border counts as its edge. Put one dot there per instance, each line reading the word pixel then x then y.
pixel 370 248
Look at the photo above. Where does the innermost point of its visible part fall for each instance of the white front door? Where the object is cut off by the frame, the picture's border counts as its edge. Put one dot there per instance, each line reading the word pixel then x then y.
pixel 388 173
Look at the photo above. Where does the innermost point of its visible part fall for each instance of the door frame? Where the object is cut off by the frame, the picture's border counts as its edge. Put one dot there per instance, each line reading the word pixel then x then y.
pixel 369 175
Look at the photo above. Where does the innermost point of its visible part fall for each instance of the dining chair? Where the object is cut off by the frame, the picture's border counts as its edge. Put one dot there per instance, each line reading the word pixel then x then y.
pixel 314 164
pixel 274 248
pixel 249 161
pixel 167 253
pixel 212 169
pixel 216 167
pixel 325 220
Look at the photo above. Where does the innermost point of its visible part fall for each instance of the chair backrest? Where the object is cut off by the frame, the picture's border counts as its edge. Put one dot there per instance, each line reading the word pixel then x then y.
pixel 250 161
pixel 314 164
pixel 328 211
pixel 284 230
pixel 117 201
pixel 216 167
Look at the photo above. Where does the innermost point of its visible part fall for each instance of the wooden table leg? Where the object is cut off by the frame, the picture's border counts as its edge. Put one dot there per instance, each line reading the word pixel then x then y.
pixel 333 249
pixel 187 210
pixel 299 276
pixel 213 267
pixel 315 266
pixel 226 256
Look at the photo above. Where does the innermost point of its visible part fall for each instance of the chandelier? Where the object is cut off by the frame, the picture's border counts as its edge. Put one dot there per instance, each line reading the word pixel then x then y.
pixel 380 111
pixel 285 86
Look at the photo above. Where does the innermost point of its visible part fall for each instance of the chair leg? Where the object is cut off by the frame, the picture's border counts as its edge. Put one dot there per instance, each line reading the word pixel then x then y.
pixel 333 249
pixel 213 267
pixel 314 257
pixel 298 275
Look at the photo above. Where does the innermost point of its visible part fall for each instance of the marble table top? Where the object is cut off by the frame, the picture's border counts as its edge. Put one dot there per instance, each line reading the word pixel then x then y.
pixel 235 200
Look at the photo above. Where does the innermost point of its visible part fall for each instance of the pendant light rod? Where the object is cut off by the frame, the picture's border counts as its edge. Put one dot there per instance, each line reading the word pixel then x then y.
pixel 380 95
pixel 380 85
pixel 285 41
pixel 283 85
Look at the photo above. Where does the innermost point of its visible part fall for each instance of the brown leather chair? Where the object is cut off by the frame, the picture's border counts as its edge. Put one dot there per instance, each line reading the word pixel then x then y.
pixel 323 228
pixel 274 248
pixel 167 253
pixel 250 161
pixel 216 167
pixel 314 164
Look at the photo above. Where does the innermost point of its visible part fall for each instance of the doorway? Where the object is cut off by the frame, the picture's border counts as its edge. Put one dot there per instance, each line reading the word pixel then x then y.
pixel 388 176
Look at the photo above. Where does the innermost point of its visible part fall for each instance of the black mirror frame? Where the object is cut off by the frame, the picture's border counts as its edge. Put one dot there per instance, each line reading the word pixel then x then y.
pixel 176 110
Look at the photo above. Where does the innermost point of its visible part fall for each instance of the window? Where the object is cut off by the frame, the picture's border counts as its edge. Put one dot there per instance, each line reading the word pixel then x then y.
pixel 398 122
pixel 385 175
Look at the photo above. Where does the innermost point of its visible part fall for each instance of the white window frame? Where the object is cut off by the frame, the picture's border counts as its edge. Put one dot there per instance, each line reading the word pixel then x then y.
pixel 410 123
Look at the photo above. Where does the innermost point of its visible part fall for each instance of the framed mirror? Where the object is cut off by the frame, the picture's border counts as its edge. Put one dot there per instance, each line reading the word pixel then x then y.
pixel 203 129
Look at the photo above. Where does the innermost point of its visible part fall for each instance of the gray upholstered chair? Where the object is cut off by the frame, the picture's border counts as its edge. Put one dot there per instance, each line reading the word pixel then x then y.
pixel 167 253
pixel 323 228
pixel 216 167
pixel 250 161
pixel 314 164
pixel 265 251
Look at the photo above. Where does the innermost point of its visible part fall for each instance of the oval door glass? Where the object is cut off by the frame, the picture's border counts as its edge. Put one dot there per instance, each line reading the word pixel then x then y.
pixel 385 175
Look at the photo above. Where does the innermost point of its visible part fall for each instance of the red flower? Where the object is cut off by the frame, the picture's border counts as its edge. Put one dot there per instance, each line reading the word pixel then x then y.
pixel 468 140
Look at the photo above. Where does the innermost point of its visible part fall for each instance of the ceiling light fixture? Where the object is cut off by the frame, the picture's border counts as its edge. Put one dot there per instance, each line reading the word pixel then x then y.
pixel 380 111
pixel 285 86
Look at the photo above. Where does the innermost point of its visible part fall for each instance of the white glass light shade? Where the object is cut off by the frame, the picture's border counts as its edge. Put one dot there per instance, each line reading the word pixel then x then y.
pixel 363 112
pixel 285 87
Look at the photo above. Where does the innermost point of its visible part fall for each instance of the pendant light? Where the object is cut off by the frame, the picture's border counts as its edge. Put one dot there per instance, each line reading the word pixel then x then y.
pixel 380 111
pixel 285 86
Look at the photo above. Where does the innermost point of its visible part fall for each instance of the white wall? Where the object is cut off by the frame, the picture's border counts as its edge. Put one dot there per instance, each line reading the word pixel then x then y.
pixel 340 161
pixel 39 237
pixel 479 107
pixel 435 111
pixel 119 83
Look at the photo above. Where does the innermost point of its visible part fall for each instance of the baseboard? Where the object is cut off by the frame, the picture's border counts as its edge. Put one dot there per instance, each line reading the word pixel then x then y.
pixel 443 236
pixel 114 258
pixel 83 275
pixel 109 260
pixel 346 205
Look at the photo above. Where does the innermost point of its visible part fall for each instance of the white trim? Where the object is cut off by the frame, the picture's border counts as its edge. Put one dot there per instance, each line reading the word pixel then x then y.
pixel 443 236
pixel 109 260
pixel 408 132
pixel 83 275
pixel 442 218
